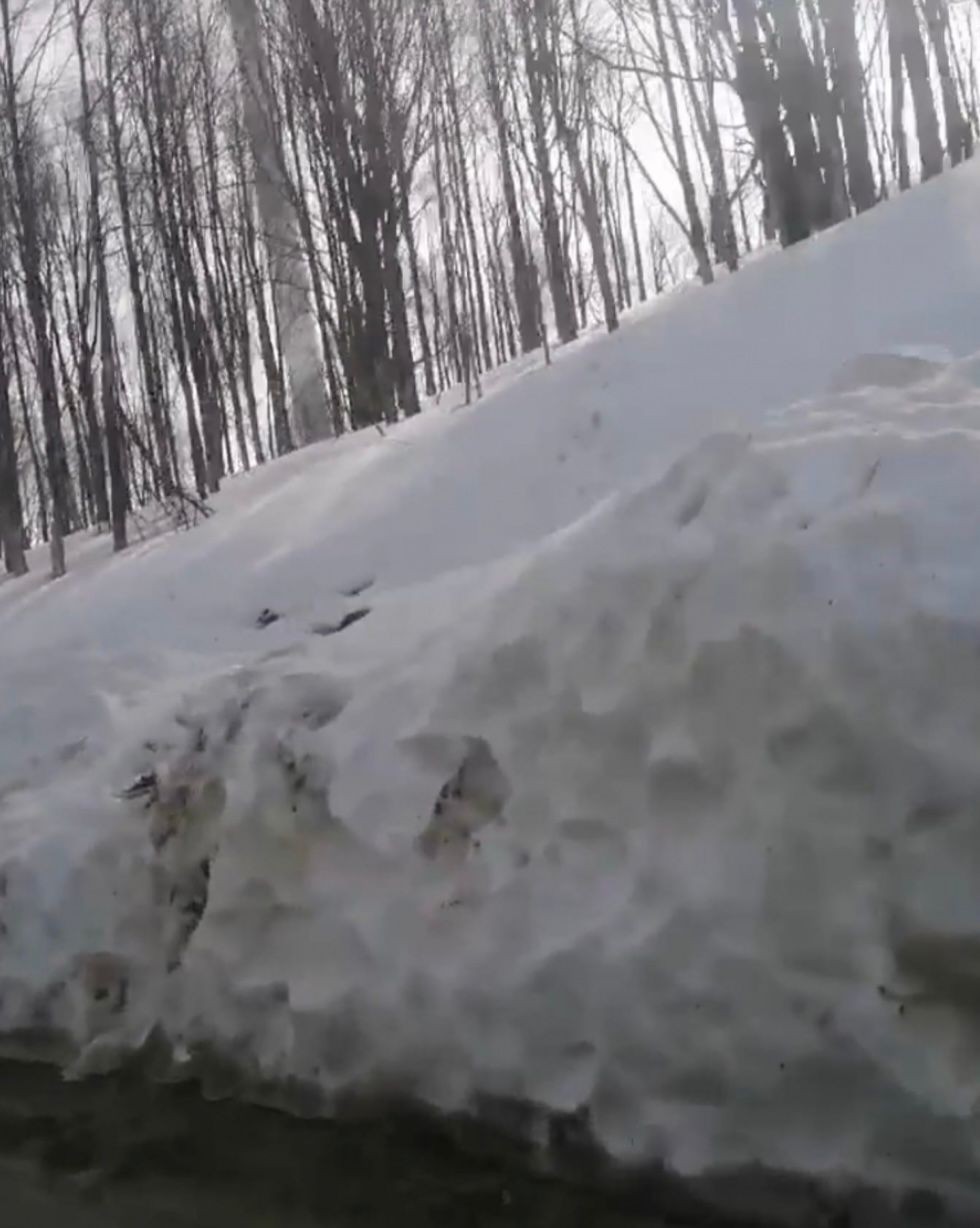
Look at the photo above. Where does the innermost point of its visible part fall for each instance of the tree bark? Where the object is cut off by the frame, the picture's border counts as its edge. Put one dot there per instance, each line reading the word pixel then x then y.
pixel 11 509
pixel 848 83
pixel 546 59
pixel 404 201
pixel 905 44
pixel 118 490
pixel 795 73
pixel 554 253
pixel 56 469
pixel 695 224
pixel 289 273
pixel 722 226
pixel 959 138
pixel 524 288
pixel 760 102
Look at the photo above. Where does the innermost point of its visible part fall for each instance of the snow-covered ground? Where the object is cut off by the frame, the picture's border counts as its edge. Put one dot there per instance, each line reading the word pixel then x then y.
pixel 646 785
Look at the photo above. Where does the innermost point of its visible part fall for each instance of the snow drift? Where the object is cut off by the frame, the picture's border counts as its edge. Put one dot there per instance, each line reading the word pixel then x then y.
pixel 673 824
pixel 608 746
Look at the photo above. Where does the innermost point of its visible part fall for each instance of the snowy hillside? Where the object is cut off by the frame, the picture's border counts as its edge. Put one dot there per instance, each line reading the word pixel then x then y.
pixel 641 778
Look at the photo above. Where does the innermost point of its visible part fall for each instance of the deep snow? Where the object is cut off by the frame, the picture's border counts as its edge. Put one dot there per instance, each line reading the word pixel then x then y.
pixel 645 786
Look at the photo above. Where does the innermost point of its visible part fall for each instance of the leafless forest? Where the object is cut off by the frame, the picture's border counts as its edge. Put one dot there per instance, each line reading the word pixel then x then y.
pixel 230 228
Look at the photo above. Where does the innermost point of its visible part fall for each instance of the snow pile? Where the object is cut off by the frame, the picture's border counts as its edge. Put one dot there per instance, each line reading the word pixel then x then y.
pixel 608 745
pixel 674 825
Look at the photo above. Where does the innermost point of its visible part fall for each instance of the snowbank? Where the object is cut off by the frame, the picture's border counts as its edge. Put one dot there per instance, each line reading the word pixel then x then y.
pixel 669 818
pixel 642 790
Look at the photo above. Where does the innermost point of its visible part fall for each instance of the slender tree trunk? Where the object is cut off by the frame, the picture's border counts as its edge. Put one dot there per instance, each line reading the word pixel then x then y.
pixel 896 71
pixel 449 264
pixel 118 490
pixel 401 343
pixel 30 256
pixel 152 380
pixel 619 265
pixel 524 289
pixel 723 240
pixel 794 82
pixel 695 224
pixel 848 83
pixel 545 56
pixel 760 101
pixel 958 136
pixel 86 501
pixel 290 276
pixel 466 200
pixel 827 118
pixel 554 254
pixel 281 434
pixel 82 357
pixel 641 285
pixel 404 200
pixel 905 43
pixel 304 223
pixel 438 332
pixel 11 509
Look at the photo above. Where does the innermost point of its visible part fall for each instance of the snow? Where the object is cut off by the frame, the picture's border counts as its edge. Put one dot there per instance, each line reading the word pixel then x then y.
pixel 647 783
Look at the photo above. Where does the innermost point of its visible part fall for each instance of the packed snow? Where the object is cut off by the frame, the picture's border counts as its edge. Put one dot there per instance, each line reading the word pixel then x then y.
pixel 608 745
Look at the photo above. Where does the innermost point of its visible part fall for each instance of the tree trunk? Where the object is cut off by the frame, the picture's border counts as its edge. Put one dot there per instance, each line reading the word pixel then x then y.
pixel 524 288
pixel 281 440
pixel 554 253
pixel 466 200
pixel 826 115
pixel 695 225
pixel 760 102
pixel 290 276
pixel 404 200
pixel 403 360
pixel 897 74
pixel 722 226
pixel 795 73
pixel 848 83
pixel 152 380
pixel 959 139
pixel 11 509
pixel 620 272
pixel 641 284
pixel 903 28
pixel 118 491
pixel 591 217
pixel 56 469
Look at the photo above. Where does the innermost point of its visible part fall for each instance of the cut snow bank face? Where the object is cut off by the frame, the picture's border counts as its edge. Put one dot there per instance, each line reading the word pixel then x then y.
pixel 677 827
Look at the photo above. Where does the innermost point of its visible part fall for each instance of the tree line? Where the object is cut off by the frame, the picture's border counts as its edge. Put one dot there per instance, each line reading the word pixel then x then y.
pixel 235 227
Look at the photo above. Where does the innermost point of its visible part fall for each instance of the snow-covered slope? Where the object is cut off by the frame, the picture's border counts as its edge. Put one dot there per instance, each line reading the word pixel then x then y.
pixel 462 488
pixel 645 786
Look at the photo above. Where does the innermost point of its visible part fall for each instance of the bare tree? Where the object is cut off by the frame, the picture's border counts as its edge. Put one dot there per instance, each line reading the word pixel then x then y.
pixel 906 47
pixel 535 71
pixel 290 279
pixel 20 117
pixel 12 533
pixel 847 77
pixel 524 287
pixel 118 488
